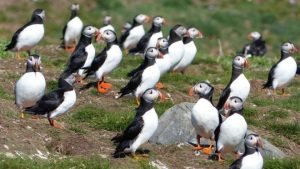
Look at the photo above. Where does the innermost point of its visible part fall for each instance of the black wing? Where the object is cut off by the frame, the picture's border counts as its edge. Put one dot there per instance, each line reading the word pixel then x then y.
pixel 270 77
pixel 14 39
pixel 97 63
pixel 237 164
pixel 47 103
pixel 124 36
pixel 224 96
pixel 142 44
pixel 62 45
pixel 298 69
pixel 139 68
pixel 76 61
pixel 132 84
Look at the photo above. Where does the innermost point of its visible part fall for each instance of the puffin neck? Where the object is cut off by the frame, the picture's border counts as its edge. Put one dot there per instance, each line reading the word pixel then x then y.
pixel 249 150
pixel 207 96
pixel 84 40
pixel 36 19
pixel 29 68
pixel 284 55
pixel 73 14
pixel 258 42
pixel 187 39
pixel 110 44
pixel 236 71
pixel 236 111
pixel 144 106
pixel 163 50
pixel 149 62
pixel 155 28
pixel 135 23
pixel 62 84
pixel 173 37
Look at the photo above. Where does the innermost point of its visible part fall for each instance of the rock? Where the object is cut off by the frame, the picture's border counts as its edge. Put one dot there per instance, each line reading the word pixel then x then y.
pixel 158 164
pixel 175 127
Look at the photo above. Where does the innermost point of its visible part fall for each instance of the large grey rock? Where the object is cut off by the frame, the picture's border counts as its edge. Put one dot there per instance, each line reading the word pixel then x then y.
pixel 175 127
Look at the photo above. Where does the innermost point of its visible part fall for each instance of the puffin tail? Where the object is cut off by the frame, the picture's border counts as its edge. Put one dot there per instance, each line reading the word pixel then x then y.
pixel 34 110
pixel 134 51
pixel 266 85
pixel 9 46
pixel 119 152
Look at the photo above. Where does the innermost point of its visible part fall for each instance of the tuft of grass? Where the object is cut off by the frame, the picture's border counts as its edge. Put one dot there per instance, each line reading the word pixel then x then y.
pixel 5 95
pixel 289 130
pixel 78 130
pixel 278 114
pixel 52 85
pixel 292 163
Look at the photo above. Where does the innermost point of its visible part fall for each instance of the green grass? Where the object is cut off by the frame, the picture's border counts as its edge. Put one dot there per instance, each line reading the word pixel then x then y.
pixel 293 163
pixel 5 95
pixel 290 130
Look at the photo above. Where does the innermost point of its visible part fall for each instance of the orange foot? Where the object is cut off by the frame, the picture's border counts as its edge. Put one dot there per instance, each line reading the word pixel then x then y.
pixel 159 85
pixel 198 147
pixel 207 150
pixel 103 87
pixel 35 117
pixel 22 115
pixel 19 57
pixel 54 124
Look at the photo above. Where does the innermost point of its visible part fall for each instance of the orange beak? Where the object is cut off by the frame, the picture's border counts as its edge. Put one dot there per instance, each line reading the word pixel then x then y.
pixel 98 36
pixel 148 19
pixel 191 91
pixel 246 64
pixel 162 96
pixel 260 143
pixel 199 35
pixel 160 55
pixel 165 22
pixel 294 49
pixel 249 36
pixel 227 106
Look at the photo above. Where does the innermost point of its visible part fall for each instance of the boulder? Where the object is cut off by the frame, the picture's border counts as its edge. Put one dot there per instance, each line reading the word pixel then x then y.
pixel 175 127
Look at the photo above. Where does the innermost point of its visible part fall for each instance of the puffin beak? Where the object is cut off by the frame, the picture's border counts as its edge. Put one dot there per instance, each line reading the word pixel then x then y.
pixel 191 91
pixel 260 143
pixel 98 36
pixel 249 36
pixel 294 49
pixel 246 64
pixel 162 96
pixel 37 67
pixel 165 22
pixel 187 34
pixel 199 35
pixel 148 19
pixel 226 109
pixel 160 55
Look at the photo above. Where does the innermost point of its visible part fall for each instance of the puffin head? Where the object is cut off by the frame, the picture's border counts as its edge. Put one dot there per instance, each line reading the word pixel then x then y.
pixel 142 18
pixel 162 43
pixel 152 53
pixel 126 26
pixel 233 104
pixel 159 21
pixel 34 61
pixel 253 141
pixel 107 20
pixel 288 47
pixel 152 95
pixel 202 89
pixel 179 30
pixel 90 31
pixel 254 36
pixel 108 36
pixel 239 61
pixel 40 13
pixel 75 7
pixel 194 33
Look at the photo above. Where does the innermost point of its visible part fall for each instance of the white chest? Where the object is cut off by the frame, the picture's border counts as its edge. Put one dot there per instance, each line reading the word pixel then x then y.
pixel 90 49
pixel 163 64
pixel 153 39
pixel 240 87
pixel 30 36
pixel 176 52
pixel 253 161
pixel 150 77
pixel 284 72
pixel 74 28
pixel 69 101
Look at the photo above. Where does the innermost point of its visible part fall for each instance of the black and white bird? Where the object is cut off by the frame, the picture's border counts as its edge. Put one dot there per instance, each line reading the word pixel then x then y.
pixel 106 61
pixel 176 46
pixel 72 30
pixel 83 54
pixel 231 132
pixel 205 117
pixel 190 49
pixel 164 61
pixel 126 26
pixel 141 129
pixel 133 35
pixel 150 38
pixel 31 85
pixel 56 102
pixel 29 35
pixel 257 47
pixel 283 72
pixel 106 25
pixel 238 84
pixel 251 159
pixel 143 79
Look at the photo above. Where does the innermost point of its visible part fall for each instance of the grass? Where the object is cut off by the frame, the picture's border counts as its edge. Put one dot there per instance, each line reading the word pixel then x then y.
pixel 293 163
pixel 5 95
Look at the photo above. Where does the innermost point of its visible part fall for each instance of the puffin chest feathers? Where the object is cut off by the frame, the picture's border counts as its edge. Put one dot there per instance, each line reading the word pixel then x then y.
pixel 153 39
pixel 240 87
pixel 135 34
pixel 284 72
pixel 252 161
pixel 176 51
pixel 163 64
pixel 29 37
pixel 150 77
pixel 69 101
pixel 74 28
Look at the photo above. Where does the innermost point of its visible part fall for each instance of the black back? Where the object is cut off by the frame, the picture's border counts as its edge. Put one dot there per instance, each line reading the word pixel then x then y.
pixel 256 48
pixel 173 37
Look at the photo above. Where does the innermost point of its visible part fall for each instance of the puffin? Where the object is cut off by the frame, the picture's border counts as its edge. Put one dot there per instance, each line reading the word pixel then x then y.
pixel 29 35
pixel 106 25
pixel 72 30
pixel 283 72
pixel 83 55
pixel 251 158
pixel 126 26
pixel 232 131
pixel 143 79
pixel 205 117
pixel 176 46
pixel 257 47
pixel 190 49
pixel 106 61
pixel 31 85
pixel 150 38
pixel 133 35
pixel 140 129
pixel 238 84
pixel 57 102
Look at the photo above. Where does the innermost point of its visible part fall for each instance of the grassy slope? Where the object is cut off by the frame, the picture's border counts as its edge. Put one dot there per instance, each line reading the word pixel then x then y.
pixel 229 22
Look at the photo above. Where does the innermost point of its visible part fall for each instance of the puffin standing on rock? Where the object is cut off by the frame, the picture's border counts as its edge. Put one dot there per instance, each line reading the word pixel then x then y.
pixel 205 117
pixel 176 46
pixel 251 157
pixel 106 61
pixel 56 102
pixel 141 129
pixel 72 30
pixel 31 86
pixel 28 35
pixel 190 49
pixel 238 85
pixel 230 133
pixel 143 79
pixel 283 72
pixel 83 54
pixel 133 35
pixel 150 38
pixel 257 47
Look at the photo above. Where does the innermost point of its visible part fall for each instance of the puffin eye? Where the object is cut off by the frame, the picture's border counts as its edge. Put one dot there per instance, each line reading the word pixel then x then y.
pixel 200 86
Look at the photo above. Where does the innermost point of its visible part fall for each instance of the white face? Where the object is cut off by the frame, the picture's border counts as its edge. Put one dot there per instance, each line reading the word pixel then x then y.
pixel 151 94
pixel 194 33
pixel 240 61
pixel 108 36
pixel 253 140
pixel 181 31
pixel 254 35
pixel 34 60
pixel 235 103
pixel 142 18
pixel 202 88
pixel 152 53
pixel 70 79
pixel 107 20
pixel 90 31
pixel 158 21
pixel 162 43
pixel 288 47
pixel 42 14
pixel 75 7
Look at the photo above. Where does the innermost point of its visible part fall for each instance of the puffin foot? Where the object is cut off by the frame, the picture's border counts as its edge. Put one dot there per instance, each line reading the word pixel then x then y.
pixel 103 87
pixel 284 93
pixel 207 150
pixel 216 157
pixel 197 148
pixel 35 117
pixel 54 124
pixel 159 85
pixel 22 115
pixel 140 156
pixel 18 57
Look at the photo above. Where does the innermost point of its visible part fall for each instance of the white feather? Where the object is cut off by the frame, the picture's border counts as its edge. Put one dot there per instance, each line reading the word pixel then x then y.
pixel 29 37
pixel 176 52
pixel 284 72
pixel 164 64
pixel 73 30
pixel 134 37
pixel 190 51
pixel 240 87
pixel 69 101
pixel 153 40
pixel 90 49
pixel 253 161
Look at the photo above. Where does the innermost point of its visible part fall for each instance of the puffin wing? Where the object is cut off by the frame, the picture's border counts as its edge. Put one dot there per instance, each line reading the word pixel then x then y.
pixel 97 63
pixel 124 36
pixel 64 32
pixel 224 96
pixel 14 39
pixel 47 103
pixel 142 44
pixel 237 164
pixel 140 68
pixel 132 84
pixel 270 77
